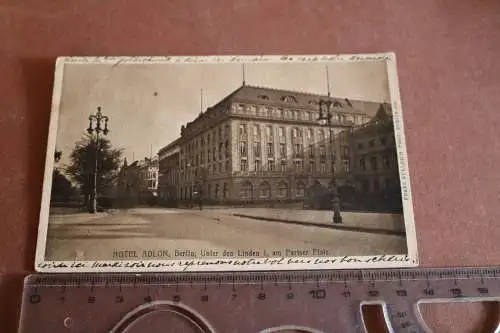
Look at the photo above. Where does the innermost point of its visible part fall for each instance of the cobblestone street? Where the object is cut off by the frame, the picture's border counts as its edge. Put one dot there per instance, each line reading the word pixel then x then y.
pixel 155 233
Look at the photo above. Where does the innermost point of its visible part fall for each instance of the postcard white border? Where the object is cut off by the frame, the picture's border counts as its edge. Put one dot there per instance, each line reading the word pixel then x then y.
pixel 231 264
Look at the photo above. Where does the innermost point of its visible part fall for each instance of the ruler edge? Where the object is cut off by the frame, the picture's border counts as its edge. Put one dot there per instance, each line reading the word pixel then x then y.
pixel 475 272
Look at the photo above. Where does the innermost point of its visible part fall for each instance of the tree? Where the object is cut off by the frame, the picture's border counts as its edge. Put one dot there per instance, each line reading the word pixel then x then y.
pixel 62 190
pixel 83 164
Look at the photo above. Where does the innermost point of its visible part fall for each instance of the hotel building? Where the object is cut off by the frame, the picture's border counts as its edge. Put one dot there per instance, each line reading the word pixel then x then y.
pixel 265 145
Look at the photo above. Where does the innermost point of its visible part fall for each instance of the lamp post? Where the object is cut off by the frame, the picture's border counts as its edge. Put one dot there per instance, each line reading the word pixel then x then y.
pixel 95 122
pixel 325 118
pixel 191 186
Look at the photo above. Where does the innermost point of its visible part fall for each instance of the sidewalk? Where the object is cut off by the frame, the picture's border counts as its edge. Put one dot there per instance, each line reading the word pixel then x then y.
pixel 382 223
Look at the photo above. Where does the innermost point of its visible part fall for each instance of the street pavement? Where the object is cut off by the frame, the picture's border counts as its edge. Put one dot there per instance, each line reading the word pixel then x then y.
pixel 159 234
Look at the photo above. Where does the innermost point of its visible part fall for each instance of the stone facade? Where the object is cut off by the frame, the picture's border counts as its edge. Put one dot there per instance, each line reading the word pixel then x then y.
pixel 265 145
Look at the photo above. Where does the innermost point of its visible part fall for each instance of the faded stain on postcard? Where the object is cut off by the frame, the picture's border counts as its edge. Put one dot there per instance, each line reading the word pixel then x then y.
pixel 226 163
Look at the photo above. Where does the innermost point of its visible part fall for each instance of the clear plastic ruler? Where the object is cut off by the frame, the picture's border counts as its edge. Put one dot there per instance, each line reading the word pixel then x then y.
pixel 312 301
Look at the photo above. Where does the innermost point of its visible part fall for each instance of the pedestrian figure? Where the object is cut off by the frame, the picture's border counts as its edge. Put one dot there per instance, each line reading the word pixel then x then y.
pixel 200 201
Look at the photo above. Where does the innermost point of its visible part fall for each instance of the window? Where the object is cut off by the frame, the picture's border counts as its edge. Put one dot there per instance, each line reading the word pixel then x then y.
pixel 208 139
pixel 283 166
pixel 310 116
pixel 227 149
pixel 346 166
pixel 311 151
pixel 221 150
pixel 345 151
pixel 257 165
pixel 269 133
pixel 282 132
pixel 256 132
pixel 243 165
pixel 311 167
pixel 282 190
pixel 321 135
pixel 202 142
pixel 214 154
pixel 202 160
pixel 225 190
pixel 322 152
pixel 246 190
pixel 264 97
pixel 362 164
pixel 269 112
pixel 383 140
pixel 373 163
pixel 270 150
pixel 243 148
pixel 289 99
pixel 282 150
pixel 209 156
pixel 372 143
pixel 310 134
pixel 227 130
pixel 300 189
pixel 210 169
pixel 360 146
pixel 220 133
pixel 215 167
pixel 227 166
pixel 323 167
pixel 281 113
pixel 298 148
pixel 271 165
pixel 243 132
pixel 299 166
pixel 264 190
pixel 220 167
pixel 257 150
pixel 296 133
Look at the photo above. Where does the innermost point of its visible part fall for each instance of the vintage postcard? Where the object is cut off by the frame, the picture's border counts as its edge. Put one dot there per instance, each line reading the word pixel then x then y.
pixel 226 163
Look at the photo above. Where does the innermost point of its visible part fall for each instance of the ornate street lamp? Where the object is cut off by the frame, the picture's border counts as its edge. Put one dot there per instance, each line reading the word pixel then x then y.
pixel 95 122
pixel 325 119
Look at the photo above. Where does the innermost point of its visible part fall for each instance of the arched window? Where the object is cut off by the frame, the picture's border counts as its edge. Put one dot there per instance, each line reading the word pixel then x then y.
pixel 289 99
pixel 246 191
pixel 264 190
pixel 225 191
pixel 282 190
pixel 300 189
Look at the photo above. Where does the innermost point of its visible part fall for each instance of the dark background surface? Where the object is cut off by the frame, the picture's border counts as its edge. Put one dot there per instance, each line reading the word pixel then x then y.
pixel 449 70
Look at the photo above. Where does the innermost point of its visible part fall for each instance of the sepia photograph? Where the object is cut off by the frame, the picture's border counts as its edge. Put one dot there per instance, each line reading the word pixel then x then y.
pixel 226 163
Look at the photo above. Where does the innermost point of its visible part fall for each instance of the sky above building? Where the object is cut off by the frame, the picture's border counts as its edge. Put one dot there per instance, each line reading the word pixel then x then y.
pixel 148 103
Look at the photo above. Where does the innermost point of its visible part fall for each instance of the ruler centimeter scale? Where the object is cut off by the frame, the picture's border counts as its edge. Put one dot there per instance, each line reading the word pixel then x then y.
pixel 298 301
